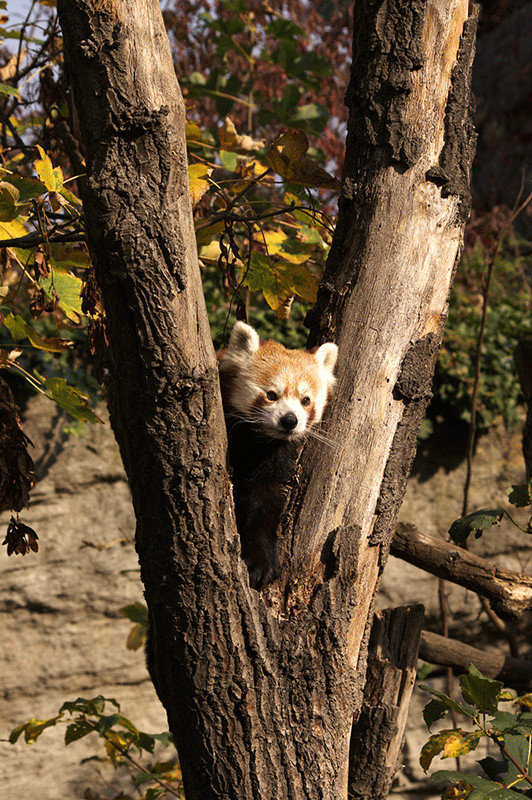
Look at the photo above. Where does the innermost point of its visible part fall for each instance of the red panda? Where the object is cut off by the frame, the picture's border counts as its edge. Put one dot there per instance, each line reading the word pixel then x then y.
pixel 272 397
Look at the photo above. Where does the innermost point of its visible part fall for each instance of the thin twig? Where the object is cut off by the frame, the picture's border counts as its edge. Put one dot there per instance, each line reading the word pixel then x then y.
pixel 518 207
pixel 445 613
pixel 480 341
pixel 524 774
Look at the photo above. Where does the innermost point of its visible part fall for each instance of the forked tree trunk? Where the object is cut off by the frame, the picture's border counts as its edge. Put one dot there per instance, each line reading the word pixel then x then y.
pixel 261 689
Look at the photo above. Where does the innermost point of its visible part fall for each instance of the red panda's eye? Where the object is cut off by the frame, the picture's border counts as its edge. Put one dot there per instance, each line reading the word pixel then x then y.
pixel 271 396
pixel 305 401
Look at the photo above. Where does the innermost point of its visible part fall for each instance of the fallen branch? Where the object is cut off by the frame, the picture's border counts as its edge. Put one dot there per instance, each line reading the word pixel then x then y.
pixel 510 593
pixel 437 649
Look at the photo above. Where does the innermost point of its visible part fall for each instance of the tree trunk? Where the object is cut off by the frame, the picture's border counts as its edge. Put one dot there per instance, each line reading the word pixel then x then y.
pixel 377 735
pixel 261 689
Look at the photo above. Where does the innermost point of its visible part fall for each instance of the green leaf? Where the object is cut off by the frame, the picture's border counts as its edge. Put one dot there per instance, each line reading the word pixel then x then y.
pixel 68 397
pixel 311 61
pixel 520 495
pixel 28 188
pixel 460 708
pixel 433 711
pixel 281 28
pixel 107 723
pixel 476 522
pixel 229 160
pixel 144 777
pixel 525 723
pixel 484 789
pixel 67 286
pixel 94 707
pixel 311 117
pixel 504 770
pixel 504 721
pixel 480 691
pixel 5 88
pixel 279 281
pixel 66 258
pixel 165 738
pixel 146 741
pixel 136 612
pixel 10 205
pixel 77 730
pixel 192 132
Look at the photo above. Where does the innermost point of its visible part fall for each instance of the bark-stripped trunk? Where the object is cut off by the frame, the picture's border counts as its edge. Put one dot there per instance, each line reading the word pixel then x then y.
pixel 261 690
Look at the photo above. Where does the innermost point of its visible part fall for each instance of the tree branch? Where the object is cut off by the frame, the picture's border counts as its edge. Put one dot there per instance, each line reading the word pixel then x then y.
pixel 510 593
pixel 34 239
pixel 438 649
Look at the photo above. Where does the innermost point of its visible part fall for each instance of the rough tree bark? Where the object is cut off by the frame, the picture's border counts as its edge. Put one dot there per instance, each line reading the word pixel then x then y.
pixel 261 689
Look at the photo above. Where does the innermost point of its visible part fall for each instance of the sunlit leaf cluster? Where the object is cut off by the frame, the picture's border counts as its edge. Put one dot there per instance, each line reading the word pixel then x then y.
pixel 506 776
pixel 123 744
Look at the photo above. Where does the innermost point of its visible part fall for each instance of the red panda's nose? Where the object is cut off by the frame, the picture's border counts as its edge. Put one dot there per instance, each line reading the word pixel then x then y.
pixel 288 421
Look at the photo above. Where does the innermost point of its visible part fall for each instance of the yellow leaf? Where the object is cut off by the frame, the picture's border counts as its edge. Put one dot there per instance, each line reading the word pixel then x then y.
pixel 247 170
pixel 459 792
pixel 278 243
pixel 210 253
pixel 137 637
pixel 192 132
pixel 198 175
pixel 9 70
pixel 33 729
pixel 12 230
pixel 237 142
pixel 450 743
pixel 50 176
pixel 115 746
pixel 67 256
pixel 206 233
pixel 287 158
pixel 20 329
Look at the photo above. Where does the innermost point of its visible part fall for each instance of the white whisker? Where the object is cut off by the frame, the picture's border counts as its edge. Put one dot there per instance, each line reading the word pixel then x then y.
pixel 320 436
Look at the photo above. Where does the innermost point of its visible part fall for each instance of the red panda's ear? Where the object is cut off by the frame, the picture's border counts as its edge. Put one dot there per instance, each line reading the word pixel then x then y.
pixel 244 340
pixel 326 356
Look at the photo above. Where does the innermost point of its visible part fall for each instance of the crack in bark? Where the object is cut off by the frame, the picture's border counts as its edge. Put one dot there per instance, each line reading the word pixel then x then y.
pixel 453 173
pixel 413 387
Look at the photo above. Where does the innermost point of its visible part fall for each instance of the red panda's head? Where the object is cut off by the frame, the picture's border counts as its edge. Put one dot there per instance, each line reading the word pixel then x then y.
pixel 283 392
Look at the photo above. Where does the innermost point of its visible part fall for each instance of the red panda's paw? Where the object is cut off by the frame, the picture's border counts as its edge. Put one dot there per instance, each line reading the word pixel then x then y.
pixel 263 567
pixel 261 575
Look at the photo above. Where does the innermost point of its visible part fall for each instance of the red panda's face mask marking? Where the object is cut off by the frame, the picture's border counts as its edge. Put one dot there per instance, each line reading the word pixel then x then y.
pixel 283 392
